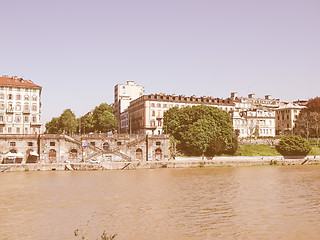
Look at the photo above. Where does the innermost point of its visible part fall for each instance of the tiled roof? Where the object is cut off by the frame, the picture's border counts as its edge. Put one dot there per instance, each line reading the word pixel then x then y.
pixel 15 81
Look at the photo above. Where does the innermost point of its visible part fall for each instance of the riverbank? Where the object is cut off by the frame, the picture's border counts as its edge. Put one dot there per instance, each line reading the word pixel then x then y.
pixel 179 162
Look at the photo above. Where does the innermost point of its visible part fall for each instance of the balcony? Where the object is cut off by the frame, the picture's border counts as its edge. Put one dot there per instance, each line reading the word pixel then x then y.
pixel 35 124
pixel 26 111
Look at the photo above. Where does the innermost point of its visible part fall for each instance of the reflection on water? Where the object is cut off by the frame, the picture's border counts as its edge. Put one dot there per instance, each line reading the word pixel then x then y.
pixel 203 203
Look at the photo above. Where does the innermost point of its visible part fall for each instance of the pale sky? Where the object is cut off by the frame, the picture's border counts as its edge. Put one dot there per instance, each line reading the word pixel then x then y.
pixel 79 50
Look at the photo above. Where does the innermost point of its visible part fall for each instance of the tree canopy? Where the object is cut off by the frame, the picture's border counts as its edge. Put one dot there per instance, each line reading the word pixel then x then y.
pixel 66 123
pixel 200 130
pixel 293 145
pixel 101 119
pixel 308 122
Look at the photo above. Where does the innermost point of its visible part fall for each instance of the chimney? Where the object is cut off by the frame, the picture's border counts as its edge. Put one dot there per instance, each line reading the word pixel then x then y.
pixel 251 95
pixel 234 95
pixel 267 97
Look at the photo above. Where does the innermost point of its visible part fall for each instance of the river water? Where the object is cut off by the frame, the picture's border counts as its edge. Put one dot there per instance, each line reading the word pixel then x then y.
pixel 269 202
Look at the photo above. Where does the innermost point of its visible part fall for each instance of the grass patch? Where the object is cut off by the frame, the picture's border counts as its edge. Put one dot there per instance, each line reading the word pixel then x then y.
pixel 258 150
pixel 314 151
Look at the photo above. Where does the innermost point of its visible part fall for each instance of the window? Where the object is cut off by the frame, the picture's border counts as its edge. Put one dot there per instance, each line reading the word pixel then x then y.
pixel 1 129
pixel 26 130
pixel 119 143
pixel 18 97
pixel 10 96
pixel 159 105
pixel 9 129
pixel 34 98
pixel 26 118
pixel 18 130
pixel 34 108
pixel 30 144
pixel 153 113
pixel 18 107
pixel 158 143
pixel 34 119
pixel 18 119
pixel 1 118
pixel 9 118
pixel 52 144
pixel 26 97
pixel 93 143
pixel 26 108
pixel 26 89
pixel 12 144
pixel 152 105
pixel 1 96
pixel 164 105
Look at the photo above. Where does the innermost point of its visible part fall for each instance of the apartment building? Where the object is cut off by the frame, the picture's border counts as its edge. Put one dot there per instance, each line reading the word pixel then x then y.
pixel 259 122
pixel 286 116
pixel 124 94
pixel 145 114
pixel 20 102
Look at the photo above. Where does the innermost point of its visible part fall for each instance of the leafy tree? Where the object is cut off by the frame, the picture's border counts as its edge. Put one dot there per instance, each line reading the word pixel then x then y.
pixel 200 130
pixel 66 123
pixel 308 123
pixel 293 145
pixel 101 119
pixel 52 127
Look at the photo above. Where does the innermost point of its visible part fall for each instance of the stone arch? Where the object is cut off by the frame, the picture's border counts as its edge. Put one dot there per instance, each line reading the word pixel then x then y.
pixel 52 155
pixel 139 154
pixel 106 146
pixel 73 153
pixel 158 154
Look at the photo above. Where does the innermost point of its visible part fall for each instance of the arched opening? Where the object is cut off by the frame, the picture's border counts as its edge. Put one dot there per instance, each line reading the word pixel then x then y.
pixel 52 156
pixel 13 150
pixel 106 146
pixel 73 153
pixel 31 156
pixel 158 154
pixel 139 154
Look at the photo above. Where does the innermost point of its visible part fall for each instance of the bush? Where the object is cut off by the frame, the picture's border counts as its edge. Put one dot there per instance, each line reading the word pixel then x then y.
pixel 293 145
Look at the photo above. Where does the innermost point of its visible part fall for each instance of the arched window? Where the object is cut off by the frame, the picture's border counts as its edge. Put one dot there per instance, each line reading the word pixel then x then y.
pixel 73 153
pixel 52 155
pixel 34 98
pixel 158 154
pixel 26 97
pixel 105 146
pixel 139 154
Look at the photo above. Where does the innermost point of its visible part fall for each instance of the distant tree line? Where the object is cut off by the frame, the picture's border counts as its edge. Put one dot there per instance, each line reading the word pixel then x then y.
pixel 101 119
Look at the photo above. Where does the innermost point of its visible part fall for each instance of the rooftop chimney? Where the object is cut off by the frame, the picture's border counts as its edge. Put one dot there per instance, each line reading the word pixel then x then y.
pixel 251 95
pixel 267 97
pixel 234 95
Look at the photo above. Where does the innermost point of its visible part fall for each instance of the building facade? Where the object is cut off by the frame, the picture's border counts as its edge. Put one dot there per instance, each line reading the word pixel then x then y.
pixel 123 95
pixel 145 114
pixel 20 103
pixel 286 116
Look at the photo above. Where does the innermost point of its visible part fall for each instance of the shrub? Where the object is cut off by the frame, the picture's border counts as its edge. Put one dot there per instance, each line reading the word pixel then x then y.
pixel 293 145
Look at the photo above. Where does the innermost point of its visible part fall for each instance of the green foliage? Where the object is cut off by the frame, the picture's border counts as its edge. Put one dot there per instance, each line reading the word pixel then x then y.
pixel 101 119
pixel 200 130
pixel 293 145
pixel 66 123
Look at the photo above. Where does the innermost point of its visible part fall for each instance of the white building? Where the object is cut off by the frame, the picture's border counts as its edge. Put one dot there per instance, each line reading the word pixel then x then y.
pixel 145 114
pixel 20 102
pixel 123 95
pixel 254 123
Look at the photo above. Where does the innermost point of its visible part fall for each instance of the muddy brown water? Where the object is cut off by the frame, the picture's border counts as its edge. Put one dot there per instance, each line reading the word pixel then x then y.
pixel 267 202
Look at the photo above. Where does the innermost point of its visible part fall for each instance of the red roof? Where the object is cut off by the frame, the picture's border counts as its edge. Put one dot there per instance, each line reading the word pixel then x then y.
pixel 15 81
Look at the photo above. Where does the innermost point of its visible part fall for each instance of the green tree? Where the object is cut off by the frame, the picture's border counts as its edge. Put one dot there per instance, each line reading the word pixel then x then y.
pixel 66 123
pixel 293 145
pixel 104 119
pixel 200 130
pixel 52 127
pixel 101 119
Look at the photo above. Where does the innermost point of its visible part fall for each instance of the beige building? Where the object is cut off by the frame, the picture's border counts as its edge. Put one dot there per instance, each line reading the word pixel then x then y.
pixel 251 102
pixel 20 102
pixel 259 122
pixel 145 114
pixel 286 117
pixel 123 95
